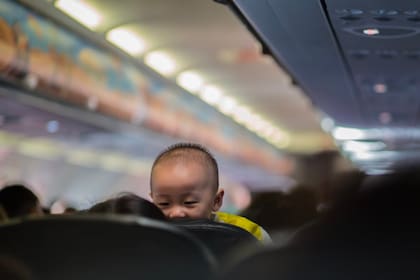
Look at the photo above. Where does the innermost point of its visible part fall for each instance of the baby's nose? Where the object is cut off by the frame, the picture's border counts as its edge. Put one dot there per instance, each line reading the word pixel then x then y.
pixel 177 212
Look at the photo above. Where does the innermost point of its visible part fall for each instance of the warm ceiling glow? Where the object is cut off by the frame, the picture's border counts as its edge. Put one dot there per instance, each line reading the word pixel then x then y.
pixel 126 40
pixel 211 94
pixel 190 81
pixel 80 11
pixel 161 62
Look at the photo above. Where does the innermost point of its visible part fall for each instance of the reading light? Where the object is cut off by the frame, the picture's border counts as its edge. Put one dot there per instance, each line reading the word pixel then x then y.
pixel 380 88
pixel 371 31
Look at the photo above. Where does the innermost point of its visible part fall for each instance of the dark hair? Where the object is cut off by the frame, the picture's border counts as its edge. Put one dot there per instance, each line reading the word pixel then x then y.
pixel 128 204
pixel 184 151
pixel 17 200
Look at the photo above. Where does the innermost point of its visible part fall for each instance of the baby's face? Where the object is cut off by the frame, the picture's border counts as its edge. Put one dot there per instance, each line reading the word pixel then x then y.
pixel 184 190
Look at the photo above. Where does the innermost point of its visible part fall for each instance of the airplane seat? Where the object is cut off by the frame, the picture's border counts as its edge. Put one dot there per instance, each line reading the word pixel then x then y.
pixel 289 263
pixel 222 239
pixel 105 247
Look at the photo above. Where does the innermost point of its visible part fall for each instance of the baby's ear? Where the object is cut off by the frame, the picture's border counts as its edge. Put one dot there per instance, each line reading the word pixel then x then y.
pixel 218 200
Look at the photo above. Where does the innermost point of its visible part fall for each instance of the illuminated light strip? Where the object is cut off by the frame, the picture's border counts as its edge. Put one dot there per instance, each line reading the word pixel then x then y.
pixel 211 95
pixel 161 62
pixel 83 158
pixel 113 162
pixel 347 133
pixel 38 148
pixel 191 81
pixel 126 40
pixel 358 146
pixel 227 105
pixel 80 11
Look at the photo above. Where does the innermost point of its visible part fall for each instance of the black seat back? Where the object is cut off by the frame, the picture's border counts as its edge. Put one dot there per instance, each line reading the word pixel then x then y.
pixel 220 238
pixel 105 248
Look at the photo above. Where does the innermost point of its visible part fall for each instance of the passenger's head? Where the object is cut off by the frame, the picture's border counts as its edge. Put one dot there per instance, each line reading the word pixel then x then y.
pixel 18 201
pixel 128 204
pixel 184 182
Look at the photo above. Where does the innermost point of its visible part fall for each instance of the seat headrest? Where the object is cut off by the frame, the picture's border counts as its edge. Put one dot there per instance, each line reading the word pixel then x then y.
pixel 98 247
pixel 220 238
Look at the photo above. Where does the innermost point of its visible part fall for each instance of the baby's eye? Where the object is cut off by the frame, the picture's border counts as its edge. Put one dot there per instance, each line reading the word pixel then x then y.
pixel 192 202
pixel 163 204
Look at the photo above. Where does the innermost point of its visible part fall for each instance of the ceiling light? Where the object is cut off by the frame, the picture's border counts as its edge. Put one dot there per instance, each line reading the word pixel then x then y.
pixel 385 117
pixel 267 130
pixel 380 88
pixel 359 146
pixel 241 114
pixel 80 11
pixel 126 40
pixel 371 31
pixel 261 125
pixel 378 156
pixel 254 123
pixel 190 81
pixel 211 94
pixel 92 102
pixel 378 171
pixel 327 124
pixel 161 62
pixel 39 148
pixel 113 162
pixel 227 105
pixel 279 139
pixel 82 158
pixel 278 135
pixel 347 133
pixel 52 126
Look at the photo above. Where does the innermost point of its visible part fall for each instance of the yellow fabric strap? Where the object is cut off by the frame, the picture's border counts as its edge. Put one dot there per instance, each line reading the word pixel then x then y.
pixel 241 222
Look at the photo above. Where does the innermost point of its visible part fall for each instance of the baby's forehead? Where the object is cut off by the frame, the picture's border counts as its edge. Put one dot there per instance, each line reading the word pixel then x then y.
pixel 184 156
pixel 180 192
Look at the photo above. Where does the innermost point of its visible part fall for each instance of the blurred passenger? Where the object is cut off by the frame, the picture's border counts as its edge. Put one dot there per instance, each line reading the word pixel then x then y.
pixel 11 269
pixel 281 212
pixel 70 210
pixel 128 204
pixel 184 183
pixel 3 215
pixel 374 234
pixel 18 201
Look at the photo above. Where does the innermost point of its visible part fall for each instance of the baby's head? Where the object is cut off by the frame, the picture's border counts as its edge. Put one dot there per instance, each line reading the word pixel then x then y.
pixel 184 182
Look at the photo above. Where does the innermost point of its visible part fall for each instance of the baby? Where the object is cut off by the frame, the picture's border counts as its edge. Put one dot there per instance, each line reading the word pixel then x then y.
pixel 184 183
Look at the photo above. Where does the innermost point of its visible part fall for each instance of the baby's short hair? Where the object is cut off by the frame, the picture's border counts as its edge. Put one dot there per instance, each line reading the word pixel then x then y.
pixel 184 152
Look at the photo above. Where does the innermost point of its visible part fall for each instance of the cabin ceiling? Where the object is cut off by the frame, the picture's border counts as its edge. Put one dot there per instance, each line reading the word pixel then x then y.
pixel 358 62
pixel 205 37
